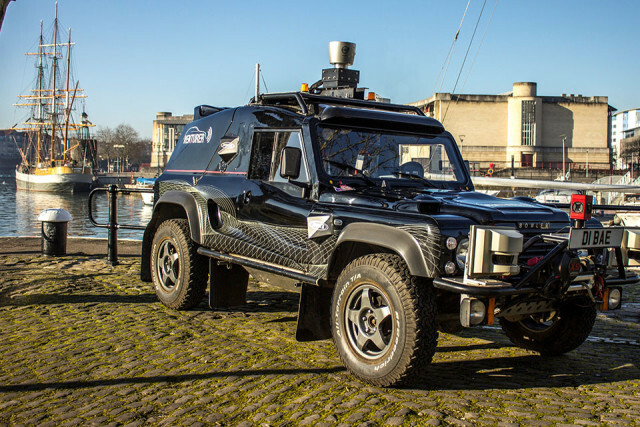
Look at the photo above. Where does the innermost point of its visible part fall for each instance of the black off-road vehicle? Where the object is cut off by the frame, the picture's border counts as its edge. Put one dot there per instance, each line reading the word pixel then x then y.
pixel 368 209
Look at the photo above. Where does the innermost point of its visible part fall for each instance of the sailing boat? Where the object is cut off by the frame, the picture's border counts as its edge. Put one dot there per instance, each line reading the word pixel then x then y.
pixel 60 152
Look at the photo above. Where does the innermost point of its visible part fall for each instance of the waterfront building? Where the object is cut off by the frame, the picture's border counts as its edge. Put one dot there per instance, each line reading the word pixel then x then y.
pixel 523 129
pixel 624 124
pixel 167 129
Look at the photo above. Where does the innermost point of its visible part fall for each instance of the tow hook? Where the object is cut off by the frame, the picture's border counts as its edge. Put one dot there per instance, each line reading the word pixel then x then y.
pixel 586 286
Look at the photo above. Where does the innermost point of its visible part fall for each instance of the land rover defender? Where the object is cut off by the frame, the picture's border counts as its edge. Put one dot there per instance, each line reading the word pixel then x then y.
pixel 369 210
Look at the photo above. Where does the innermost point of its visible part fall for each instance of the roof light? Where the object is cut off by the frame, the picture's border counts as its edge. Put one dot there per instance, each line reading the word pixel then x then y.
pixel 371 96
pixel 304 87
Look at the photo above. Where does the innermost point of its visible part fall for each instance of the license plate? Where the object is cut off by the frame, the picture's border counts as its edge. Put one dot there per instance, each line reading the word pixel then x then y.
pixel 595 237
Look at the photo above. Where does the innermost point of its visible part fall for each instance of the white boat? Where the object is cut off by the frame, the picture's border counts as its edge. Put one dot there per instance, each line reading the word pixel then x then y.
pixel 555 196
pixel 147 198
pixel 58 179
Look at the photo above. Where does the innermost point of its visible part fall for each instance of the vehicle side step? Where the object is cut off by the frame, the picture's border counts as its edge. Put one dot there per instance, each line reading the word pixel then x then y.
pixel 260 265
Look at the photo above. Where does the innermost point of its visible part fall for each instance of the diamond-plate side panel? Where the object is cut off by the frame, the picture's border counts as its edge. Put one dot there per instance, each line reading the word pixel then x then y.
pixel 282 245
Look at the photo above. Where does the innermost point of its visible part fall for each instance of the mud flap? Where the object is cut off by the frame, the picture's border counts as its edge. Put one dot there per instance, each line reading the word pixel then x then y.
pixel 314 313
pixel 227 286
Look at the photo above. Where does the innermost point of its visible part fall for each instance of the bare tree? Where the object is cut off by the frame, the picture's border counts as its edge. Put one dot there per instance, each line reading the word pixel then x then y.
pixel 122 143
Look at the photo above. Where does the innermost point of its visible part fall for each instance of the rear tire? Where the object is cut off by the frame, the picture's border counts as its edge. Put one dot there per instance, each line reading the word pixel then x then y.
pixel 383 321
pixel 554 333
pixel 179 273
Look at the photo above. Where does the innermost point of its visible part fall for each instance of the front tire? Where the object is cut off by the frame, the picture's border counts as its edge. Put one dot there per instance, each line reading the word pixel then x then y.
pixel 554 333
pixel 383 321
pixel 179 273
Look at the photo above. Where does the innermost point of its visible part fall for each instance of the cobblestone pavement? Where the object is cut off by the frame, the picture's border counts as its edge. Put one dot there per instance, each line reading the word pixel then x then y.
pixel 83 342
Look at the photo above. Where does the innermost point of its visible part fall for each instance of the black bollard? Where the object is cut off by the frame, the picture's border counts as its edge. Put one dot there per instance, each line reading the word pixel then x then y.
pixel 113 226
pixel 54 231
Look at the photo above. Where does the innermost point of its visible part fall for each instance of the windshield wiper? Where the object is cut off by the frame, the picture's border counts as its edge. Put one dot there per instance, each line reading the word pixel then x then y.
pixel 413 177
pixel 345 166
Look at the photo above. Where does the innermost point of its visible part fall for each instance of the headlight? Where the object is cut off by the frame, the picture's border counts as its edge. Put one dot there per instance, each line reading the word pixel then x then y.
pixel 615 297
pixel 493 251
pixel 461 253
pixel 451 243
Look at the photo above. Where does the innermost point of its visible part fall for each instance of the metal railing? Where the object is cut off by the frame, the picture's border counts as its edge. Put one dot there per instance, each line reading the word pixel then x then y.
pixel 112 225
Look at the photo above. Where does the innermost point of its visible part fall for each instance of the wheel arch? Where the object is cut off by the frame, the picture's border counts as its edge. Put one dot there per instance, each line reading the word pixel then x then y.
pixel 358 239
pixel 172 204
pixel 355 241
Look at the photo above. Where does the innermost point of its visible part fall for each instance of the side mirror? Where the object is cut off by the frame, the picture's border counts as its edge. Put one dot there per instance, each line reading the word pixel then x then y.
pixel 290 162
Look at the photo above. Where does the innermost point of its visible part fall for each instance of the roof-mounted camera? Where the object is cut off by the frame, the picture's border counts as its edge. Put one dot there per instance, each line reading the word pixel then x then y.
pixel 340 81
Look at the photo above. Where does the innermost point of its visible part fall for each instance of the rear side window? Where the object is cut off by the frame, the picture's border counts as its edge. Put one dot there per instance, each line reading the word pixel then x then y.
pixel 262 155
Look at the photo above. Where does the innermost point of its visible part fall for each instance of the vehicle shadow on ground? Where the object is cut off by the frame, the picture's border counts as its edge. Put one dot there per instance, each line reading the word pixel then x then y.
pixel 49 299
pixel 258 302
pixel 570 370
pixel 170 379
pixel 502 373
pixel 456 348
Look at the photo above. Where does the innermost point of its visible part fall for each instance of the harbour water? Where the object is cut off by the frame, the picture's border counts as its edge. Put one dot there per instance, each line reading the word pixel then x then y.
pixel 20 210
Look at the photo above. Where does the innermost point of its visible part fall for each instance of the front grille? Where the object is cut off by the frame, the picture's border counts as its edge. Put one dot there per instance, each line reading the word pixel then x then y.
pixel 538 249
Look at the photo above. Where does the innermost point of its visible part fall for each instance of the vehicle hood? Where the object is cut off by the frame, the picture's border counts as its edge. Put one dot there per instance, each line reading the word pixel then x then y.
pixel 484 209
pixel 479 207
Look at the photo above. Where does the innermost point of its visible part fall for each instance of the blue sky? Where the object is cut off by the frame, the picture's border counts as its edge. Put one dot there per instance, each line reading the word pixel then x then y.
pixel 134 58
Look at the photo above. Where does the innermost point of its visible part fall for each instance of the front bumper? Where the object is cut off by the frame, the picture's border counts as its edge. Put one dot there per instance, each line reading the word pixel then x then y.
pixel 497 289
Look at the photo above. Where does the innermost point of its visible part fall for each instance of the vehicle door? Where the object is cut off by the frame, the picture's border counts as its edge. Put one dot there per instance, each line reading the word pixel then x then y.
pixel 273 210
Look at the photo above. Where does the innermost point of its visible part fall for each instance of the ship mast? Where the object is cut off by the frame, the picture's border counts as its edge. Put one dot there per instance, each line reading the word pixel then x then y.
pixel 53 85
pixel 66 102
pixel 40 113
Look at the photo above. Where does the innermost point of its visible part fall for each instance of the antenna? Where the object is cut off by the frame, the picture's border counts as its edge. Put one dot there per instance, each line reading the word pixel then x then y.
pixel 257 82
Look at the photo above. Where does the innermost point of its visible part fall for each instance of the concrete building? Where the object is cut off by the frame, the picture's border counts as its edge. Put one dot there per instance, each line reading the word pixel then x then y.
pixel 167 129
pixel 624 124
pixel 523 129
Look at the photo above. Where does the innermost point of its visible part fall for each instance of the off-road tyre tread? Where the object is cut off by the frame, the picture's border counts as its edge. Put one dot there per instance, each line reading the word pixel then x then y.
pixel 195 268
pixel 419 300
pixel 569 333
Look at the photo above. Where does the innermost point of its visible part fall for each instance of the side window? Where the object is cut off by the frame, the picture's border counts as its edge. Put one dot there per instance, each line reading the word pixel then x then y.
pixel 266 153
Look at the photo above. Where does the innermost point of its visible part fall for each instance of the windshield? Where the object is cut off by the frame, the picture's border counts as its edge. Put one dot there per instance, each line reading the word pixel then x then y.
pixel 388 156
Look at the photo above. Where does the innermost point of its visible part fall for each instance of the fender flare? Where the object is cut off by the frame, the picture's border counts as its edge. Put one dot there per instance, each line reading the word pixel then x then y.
pixel 181 199
pixel 188 202
pixel 392 238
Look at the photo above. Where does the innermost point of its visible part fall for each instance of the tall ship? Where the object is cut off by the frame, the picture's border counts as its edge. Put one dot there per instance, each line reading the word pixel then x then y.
pixel 59 153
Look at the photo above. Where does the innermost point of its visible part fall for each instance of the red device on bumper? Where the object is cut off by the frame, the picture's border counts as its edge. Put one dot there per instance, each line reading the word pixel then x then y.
pixel 581 206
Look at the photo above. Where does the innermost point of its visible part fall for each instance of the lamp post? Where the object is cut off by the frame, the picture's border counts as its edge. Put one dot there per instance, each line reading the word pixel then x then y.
pixel 119 146
pixel 564 175
pixel 587 173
